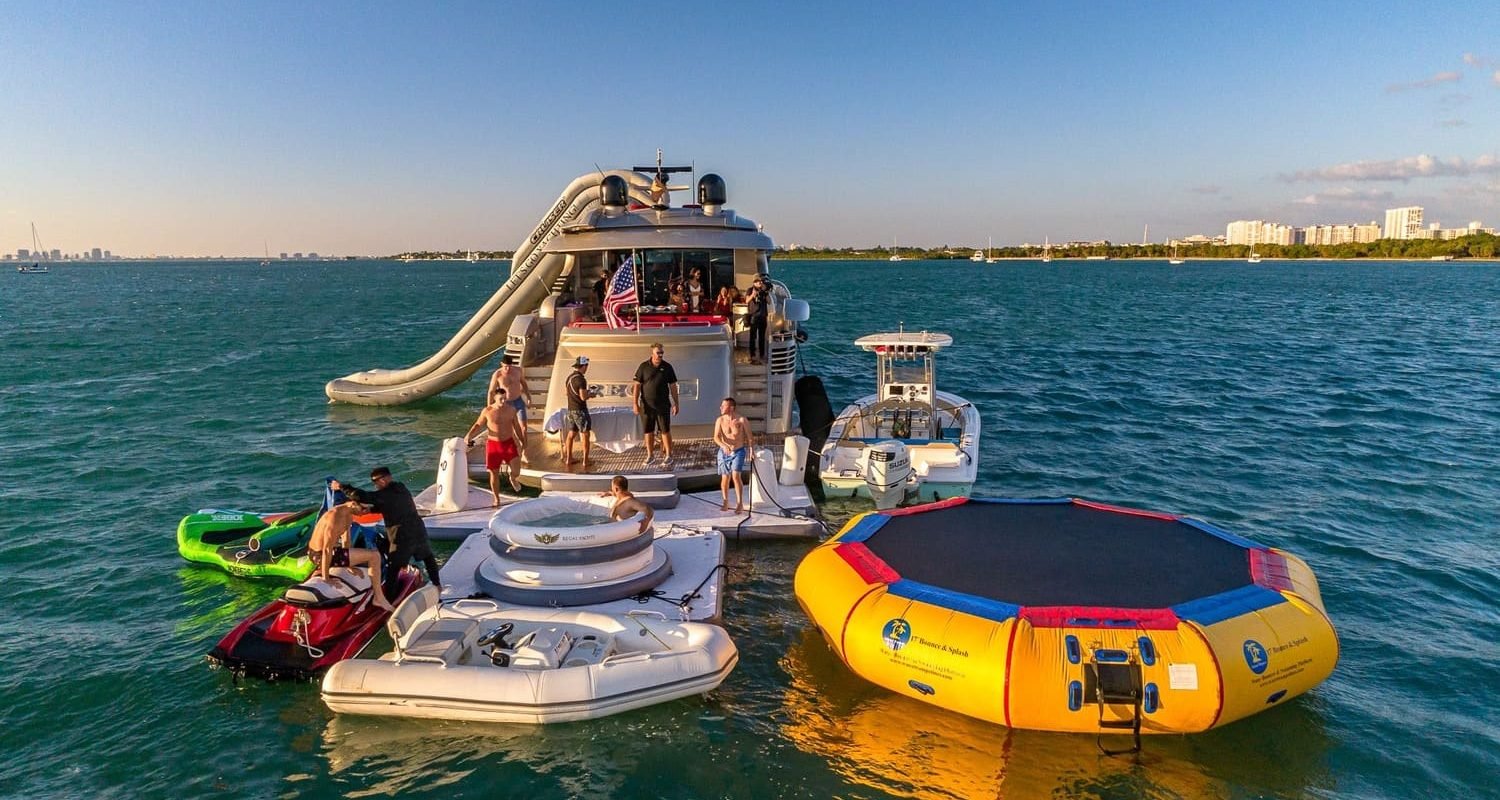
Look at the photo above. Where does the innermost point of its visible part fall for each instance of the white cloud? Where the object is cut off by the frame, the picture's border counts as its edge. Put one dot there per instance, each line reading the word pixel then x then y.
pixel 1400 169
pixel 1426 83
pixel 1345 195
pixel 1495 79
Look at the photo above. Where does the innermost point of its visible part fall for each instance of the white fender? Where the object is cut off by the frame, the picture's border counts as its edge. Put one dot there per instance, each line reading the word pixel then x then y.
pixel 452 477
pixel 794 461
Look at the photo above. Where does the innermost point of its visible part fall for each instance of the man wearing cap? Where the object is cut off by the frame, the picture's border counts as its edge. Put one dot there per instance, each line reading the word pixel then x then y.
pixel 403 524
pixel 578 421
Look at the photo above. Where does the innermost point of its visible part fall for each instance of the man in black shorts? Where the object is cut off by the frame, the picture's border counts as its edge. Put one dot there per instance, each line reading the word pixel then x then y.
pixel 403 524
pixel 655 394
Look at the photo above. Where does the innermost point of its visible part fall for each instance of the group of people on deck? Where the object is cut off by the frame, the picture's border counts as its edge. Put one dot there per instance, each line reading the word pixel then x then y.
pixel 654 398
pixel 687 295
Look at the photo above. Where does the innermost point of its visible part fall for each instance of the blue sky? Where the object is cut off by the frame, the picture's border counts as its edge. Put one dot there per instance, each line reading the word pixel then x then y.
pixel 210 128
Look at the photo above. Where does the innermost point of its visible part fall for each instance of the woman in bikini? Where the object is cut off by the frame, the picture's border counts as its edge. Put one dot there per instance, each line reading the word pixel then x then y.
pixel 329 547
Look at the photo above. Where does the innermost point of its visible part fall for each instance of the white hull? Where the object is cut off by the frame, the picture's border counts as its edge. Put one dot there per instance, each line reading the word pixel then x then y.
pixel 939 468
pixel 563 665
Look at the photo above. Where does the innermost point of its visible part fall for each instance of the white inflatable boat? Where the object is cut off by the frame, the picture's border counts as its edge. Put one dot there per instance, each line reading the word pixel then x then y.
pixel 475 659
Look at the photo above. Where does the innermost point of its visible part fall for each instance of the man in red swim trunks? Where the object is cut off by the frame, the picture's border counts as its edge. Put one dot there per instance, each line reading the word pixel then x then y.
pixel 506 438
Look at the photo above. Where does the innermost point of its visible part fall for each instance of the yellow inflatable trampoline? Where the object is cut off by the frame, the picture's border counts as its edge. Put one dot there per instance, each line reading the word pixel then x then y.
pixel 1068 615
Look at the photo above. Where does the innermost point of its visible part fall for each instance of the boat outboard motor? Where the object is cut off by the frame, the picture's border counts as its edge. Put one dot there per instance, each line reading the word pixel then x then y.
pixel 711 194
pixel 614 195
pixel 887 471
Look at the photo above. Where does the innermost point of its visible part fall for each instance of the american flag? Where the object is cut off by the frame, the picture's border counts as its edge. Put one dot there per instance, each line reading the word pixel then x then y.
pixel 621 293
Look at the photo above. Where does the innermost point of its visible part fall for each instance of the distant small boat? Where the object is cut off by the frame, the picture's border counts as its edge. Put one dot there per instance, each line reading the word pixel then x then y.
pixel 36 247
pixel 473 257
pixel 977 257
pixel 895 253
pixel 1047 250
pixel 266 262
pixel 1174 259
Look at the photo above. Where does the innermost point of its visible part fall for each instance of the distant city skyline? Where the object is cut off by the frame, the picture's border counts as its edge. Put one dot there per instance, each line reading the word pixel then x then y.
pixel 376 129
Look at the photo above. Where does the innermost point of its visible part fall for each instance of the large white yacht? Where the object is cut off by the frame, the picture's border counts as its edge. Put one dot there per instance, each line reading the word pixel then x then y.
pixel 907 442
pixel 548 314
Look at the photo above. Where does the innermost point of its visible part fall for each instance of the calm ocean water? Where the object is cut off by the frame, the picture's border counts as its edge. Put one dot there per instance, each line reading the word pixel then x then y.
pixel 1348 412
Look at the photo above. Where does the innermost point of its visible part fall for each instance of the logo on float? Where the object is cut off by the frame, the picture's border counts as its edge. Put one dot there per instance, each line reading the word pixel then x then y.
pixel 547 538
pixel 896 633
pixel 1255 656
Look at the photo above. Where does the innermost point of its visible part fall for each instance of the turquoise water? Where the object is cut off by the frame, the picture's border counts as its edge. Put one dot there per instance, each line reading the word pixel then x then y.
pixel 1348 412
pixel 566 519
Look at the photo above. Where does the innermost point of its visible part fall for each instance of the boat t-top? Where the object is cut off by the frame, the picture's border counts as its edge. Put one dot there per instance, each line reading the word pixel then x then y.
pixel 907 442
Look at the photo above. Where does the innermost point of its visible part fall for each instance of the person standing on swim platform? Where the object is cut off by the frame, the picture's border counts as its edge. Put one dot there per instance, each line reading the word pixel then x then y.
pixel 732 435
pixel 578 422
pixel 654 391
pixel 403 524
pixel 507 435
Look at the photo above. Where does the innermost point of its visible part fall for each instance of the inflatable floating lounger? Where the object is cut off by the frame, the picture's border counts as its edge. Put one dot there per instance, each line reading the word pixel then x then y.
pixel 1067 615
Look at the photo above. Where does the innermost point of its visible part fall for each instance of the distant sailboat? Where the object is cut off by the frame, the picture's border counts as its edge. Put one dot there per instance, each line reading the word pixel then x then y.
pixel 1047 251
pixel 988 258
pixel 895 252
pixel 1254 257
pixel 266 261
pixel 1174 259
pixel 36 249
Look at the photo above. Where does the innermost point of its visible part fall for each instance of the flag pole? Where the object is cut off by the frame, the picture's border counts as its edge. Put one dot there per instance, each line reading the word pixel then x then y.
pixel 640 291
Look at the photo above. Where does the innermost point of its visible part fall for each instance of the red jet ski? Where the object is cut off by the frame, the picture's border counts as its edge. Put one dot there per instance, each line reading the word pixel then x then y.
pixel 313 625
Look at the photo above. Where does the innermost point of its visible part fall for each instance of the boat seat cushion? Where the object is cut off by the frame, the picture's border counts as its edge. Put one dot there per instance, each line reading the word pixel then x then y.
pixel 343 584
pixel 440 638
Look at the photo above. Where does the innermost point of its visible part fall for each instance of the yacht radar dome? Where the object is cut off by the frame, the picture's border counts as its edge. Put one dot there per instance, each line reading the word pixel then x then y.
pixel 614 195
pixel 711 193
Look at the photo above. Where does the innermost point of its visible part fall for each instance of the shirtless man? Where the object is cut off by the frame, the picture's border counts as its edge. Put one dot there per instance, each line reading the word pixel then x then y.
pixel 506 438
pixel 732 435
pixel 329 547
pixel 626 503
pixel 510 378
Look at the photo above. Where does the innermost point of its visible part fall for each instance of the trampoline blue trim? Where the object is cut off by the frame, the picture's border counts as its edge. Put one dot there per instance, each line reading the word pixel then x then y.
pixel 865 528
pixel 1222 534
pixel 1227 605
pixel 955 601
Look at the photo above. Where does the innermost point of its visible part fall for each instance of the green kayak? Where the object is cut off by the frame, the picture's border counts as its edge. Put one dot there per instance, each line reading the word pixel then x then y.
pixel 248 543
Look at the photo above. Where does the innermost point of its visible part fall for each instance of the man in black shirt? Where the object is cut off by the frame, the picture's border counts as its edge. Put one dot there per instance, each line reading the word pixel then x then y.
pixel 404 526
pixel 759 301
pixel 655 394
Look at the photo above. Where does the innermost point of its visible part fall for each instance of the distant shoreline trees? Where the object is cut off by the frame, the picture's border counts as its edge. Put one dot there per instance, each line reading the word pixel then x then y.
pixel 1477 245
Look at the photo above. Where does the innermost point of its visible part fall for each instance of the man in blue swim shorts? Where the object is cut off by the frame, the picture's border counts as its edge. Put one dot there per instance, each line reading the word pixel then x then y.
pixel 732 435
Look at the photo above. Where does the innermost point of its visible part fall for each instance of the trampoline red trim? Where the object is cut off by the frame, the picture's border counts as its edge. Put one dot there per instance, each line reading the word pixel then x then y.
pixel 1134 512
pixel 1268 570
pixel 1151 619
pixel 1010 648
pixel 868 566
pixel 951 502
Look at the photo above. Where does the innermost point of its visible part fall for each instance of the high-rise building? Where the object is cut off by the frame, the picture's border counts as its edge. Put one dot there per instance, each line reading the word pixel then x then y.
pixel 1403 223
pixel 108 255
pixel 283 256
pixel 96 254
pixel 23 254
